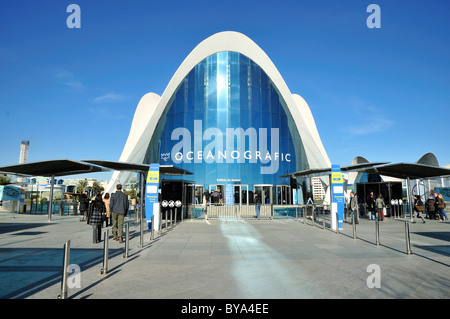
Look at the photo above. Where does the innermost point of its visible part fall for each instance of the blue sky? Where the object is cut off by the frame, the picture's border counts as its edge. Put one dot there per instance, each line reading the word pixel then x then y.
pixel 379 93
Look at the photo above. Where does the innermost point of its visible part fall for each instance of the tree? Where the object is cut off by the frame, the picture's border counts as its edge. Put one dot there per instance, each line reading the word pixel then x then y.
pixel 97 188
pixel 4 180
pixel 82 185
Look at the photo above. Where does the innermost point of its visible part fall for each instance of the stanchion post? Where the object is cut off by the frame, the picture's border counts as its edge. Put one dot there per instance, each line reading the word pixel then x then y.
pixel 152 233
pixel 377 230
pixel 408 239
pixel 104 270
pixel 66 261
pixel 323 218
pixel 337 223
pixel 304 214
pixel 166 220
pixel 127 240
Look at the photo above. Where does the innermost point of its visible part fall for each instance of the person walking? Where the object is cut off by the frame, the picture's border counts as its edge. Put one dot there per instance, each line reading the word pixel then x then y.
pixel 371 206
pixel 96 210
pixel 119 209
pixel 106 200
pixel 352 204
pixel 380 205
pixel 418 209
pixel 84 206
pixel 441 207
pixel 309 198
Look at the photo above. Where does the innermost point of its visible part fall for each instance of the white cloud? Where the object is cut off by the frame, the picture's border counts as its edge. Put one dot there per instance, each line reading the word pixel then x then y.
pixel 112 97
pixel 68 79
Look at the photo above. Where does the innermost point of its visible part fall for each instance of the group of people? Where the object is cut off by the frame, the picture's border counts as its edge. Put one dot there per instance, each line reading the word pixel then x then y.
pixel 434 207
pixel 375 206
pixel 110 210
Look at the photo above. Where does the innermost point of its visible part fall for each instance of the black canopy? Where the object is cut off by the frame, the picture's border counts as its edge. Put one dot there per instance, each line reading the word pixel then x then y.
pixel 49 168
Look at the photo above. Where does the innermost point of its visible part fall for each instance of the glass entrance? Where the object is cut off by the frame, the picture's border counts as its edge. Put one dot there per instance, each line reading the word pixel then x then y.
pixel 265 192
pixel 217 192
pixel 283 195
pixel 241 195
pixel 198 194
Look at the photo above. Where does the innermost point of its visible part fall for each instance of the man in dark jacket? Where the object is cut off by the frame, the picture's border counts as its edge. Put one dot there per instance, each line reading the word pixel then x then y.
pixel 119 209
pixel 84 206
pixel 371 206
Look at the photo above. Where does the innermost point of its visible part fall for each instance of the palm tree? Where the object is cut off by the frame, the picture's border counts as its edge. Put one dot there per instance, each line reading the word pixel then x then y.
pixel 97 188
pixel 4 180
pixel 81 186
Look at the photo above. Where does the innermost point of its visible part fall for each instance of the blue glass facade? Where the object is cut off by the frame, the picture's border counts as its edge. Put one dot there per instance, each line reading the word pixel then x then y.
pixel 227 124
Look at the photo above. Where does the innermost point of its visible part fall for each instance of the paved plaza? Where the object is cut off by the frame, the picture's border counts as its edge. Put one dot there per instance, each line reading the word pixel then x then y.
pixel 227 259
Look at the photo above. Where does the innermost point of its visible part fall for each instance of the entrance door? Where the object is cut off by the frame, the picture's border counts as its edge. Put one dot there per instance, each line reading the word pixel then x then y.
pixel 198 194
pixel 283 195
pixel 241 194
pixel 265 192
pixel 217 193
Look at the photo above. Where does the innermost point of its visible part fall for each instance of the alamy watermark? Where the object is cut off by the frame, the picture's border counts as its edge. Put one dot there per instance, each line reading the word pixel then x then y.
pixel 74 19
pixel 374 19
pixel 74 277
pixel 374 279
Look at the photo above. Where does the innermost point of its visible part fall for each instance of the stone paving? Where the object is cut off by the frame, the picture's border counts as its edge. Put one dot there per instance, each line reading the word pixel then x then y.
pixel 227 259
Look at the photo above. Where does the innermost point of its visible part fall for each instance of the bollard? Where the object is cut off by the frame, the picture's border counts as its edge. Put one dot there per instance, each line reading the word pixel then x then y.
pixel 152 233
pixel 354 226
pixel 408 240
pixel 127 239
pixel 104 270
pixel 323 218
pixel 313 214
pixel 166 220
pixel 160 224
pixel 304 214
pixel 377 231
pixel 141 230
pixel 337 223
pixel 66 261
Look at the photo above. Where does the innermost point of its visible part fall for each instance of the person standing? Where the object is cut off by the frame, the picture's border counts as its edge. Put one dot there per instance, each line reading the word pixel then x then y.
pixel 380 205
pixel 84 206
pixel 371 206
pixel 353 203
pixel 257 205
pixel 119 209
pixel 96 210
pixel 106 200
pixel 441 207
pixel 431 208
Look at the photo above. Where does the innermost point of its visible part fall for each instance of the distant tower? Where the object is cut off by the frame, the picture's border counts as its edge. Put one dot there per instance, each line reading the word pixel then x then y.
pixel 24 145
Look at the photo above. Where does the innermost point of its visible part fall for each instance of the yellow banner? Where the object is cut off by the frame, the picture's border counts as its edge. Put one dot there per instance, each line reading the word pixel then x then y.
pixel 336 177
pixel 153 177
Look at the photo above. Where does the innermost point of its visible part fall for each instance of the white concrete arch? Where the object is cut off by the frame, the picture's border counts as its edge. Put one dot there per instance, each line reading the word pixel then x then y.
pixel 135 147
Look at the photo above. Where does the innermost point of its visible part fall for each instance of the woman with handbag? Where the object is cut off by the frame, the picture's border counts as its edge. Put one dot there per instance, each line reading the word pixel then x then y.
pixel 418 209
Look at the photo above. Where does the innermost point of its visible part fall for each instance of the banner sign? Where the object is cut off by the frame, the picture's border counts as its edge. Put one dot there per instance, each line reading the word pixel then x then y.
pixel 338 196
pixel 229 194
pixel 151 195
pixel 9 193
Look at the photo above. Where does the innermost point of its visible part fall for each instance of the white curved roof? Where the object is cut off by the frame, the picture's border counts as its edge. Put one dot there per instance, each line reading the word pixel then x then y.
pixel 151 107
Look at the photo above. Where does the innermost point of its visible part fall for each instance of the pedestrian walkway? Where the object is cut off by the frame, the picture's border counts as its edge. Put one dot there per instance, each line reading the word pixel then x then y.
pixel 237 259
